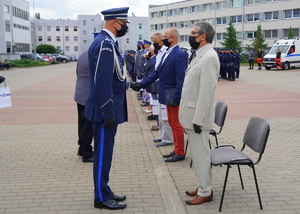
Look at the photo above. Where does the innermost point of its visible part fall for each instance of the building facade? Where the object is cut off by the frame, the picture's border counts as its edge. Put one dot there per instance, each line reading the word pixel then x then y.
pixel 15 32
pixel 275 16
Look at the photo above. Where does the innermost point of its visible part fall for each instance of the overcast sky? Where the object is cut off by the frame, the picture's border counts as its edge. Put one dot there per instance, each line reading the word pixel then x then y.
pixel 55 9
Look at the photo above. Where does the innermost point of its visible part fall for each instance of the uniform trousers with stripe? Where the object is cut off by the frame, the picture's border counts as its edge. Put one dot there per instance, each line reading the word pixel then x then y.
pixel 104 141
pixel 177 129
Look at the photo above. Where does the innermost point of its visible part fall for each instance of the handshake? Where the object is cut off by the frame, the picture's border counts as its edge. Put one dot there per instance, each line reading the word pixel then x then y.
pixel 136 86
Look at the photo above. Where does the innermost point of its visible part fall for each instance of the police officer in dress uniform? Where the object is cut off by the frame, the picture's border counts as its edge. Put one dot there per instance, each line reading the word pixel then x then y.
pixel 106 104
pixel 237 63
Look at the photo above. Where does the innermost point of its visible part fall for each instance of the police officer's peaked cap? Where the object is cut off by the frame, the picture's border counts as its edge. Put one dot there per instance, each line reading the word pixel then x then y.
pixel 139 43
pixel 147 42
pixel 116 13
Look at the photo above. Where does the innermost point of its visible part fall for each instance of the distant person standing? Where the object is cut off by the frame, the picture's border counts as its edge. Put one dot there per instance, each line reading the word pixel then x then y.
pixel 85 129
pixel 251 59
pixel 259 58
pixel 278 59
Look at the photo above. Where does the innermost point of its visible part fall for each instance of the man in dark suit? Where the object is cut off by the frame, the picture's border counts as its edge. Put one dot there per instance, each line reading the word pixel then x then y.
pixel 171 73
pixel 106 104
pixel 85 129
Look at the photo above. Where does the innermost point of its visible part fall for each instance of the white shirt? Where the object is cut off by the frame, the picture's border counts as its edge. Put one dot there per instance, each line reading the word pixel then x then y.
pixel 159 55
pixel 111 34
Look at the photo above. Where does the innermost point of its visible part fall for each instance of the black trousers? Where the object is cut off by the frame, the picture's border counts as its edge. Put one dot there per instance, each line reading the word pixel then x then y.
pixel 251 63
pixel 85 134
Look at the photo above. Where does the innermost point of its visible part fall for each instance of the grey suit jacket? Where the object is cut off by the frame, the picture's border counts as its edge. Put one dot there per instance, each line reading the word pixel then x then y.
pixel 83 78
pixel 198 91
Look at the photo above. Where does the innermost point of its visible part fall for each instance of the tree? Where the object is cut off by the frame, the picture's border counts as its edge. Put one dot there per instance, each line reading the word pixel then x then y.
pixel 291 33
pixel 231 41
pixel 259 41
pixel 44 48
pixel 38 16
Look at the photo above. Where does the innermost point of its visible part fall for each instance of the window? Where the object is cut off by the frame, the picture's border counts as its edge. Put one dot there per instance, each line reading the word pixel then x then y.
pixel 221 36
pixel 154 27
pixel 84 32
pixel 58 38
pixel 221 21
pixel 127 40
pixel 295 31
pixel 140 37
pixel 84 42
pixel 271 15
pixel 92 20
pixel 194 22
pixel 140 26
pixel 221 5
pixel 236 3
pixel 249 2
pixel 67 39
pixel 153 15
pixel 253 17
pixel 40 38
pixel 75 38
pixel 173 24
pixel 6 8
pixel 194 9
pixel 163 13
pixel 271 0
pixel 66 28
pixel 75 28
pixel 49 38
pixel 48 28
pixel 251 34
pixel 183 10
pixel 172 12
pixel 39 28
pixel 75 48
pixel 291 13
pixel 94 29
pixel 207 7
pixel 58 48
pixel 239 35
pixel 183 24
pixel 67 48
pixel 162 26
pixel 183 38
pixel 7 25
pixel 271 33
pixel 57 28
pixel 208 20
pixel 236 19
pixel 84 22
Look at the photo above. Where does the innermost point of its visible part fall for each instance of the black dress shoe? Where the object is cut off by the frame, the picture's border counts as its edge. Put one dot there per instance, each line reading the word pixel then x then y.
pixel 118 197
pixel 169 155
pixel 145 104
pixel 85 160
pixel 175 158
pixel 109 204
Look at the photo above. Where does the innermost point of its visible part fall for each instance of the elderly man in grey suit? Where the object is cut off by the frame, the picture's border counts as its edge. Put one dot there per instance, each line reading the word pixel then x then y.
pixel 85 129
pixel 196 109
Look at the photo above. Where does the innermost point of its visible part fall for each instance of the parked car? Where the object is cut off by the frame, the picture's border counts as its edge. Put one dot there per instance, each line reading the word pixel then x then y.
pixel 61 58
pixel 48 57
pixel 33 57
pixel 74 58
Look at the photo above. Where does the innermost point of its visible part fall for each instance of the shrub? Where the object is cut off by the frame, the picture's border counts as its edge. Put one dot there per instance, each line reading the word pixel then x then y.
pixel 26 63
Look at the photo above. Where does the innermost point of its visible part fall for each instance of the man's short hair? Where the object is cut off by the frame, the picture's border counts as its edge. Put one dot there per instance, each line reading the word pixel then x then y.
pixel 160 36
pixel 205 27
pixel 173 32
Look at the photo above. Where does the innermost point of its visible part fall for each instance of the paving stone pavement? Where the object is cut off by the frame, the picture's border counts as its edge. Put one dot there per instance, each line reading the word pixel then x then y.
pixel 40 172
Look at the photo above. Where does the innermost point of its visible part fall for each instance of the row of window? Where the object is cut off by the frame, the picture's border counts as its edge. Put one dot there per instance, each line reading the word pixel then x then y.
pixel 49 38
pixel 22 47
pixel 21 27
pixel 22 14
pixel 219 5
pixel 40 28
pixel 67 48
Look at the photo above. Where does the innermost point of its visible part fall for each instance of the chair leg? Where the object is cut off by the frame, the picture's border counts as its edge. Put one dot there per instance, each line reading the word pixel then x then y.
pixel 209 143
pixel 256 184
pixel 224 187
pixel 186 146
pixel 191 164
pixel 240 176
pixel 216 140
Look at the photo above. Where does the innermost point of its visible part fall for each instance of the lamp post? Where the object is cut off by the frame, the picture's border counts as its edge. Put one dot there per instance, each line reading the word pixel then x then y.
pixel 34 32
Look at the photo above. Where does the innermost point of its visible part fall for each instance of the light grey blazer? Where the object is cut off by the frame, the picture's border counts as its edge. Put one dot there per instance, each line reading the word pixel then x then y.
pixel 83 78
pixel 198 91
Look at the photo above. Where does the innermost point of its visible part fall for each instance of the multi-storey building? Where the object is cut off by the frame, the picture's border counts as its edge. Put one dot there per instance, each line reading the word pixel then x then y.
pixel 275 16
pixel 14 27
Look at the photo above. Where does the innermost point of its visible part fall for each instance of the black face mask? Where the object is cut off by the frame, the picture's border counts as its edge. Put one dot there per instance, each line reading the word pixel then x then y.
pixel 166 42
pixel 156 51
pixel 138 48
pixel 122 31
pixel 156 46
pixel 149 54
pixel 193 43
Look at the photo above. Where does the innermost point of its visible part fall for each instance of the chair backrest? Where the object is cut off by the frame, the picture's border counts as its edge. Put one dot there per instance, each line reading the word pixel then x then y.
pixel 256 134
pixel 220 113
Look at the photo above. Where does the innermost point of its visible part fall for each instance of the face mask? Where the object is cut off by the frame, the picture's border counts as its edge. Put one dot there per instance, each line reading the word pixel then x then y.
pixel 156 51
pixel 193 43
pixel 149 54
pixel 122 31
pixel 166 42
pixel 138 48
pixel 156 46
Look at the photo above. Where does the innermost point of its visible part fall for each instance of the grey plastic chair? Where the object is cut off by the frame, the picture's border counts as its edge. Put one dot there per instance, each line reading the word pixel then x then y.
pixel 255 137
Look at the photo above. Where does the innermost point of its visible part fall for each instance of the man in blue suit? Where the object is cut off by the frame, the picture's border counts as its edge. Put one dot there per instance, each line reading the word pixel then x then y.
pixel 106 104
pixel 171 72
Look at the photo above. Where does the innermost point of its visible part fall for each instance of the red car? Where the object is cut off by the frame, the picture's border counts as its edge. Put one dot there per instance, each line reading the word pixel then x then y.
pixel 48 57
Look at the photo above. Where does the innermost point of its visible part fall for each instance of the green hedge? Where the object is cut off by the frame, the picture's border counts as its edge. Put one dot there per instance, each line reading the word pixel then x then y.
pixel 26 63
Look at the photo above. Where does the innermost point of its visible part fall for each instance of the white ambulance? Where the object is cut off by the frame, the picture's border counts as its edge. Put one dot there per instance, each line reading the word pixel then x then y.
pixel 290 54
